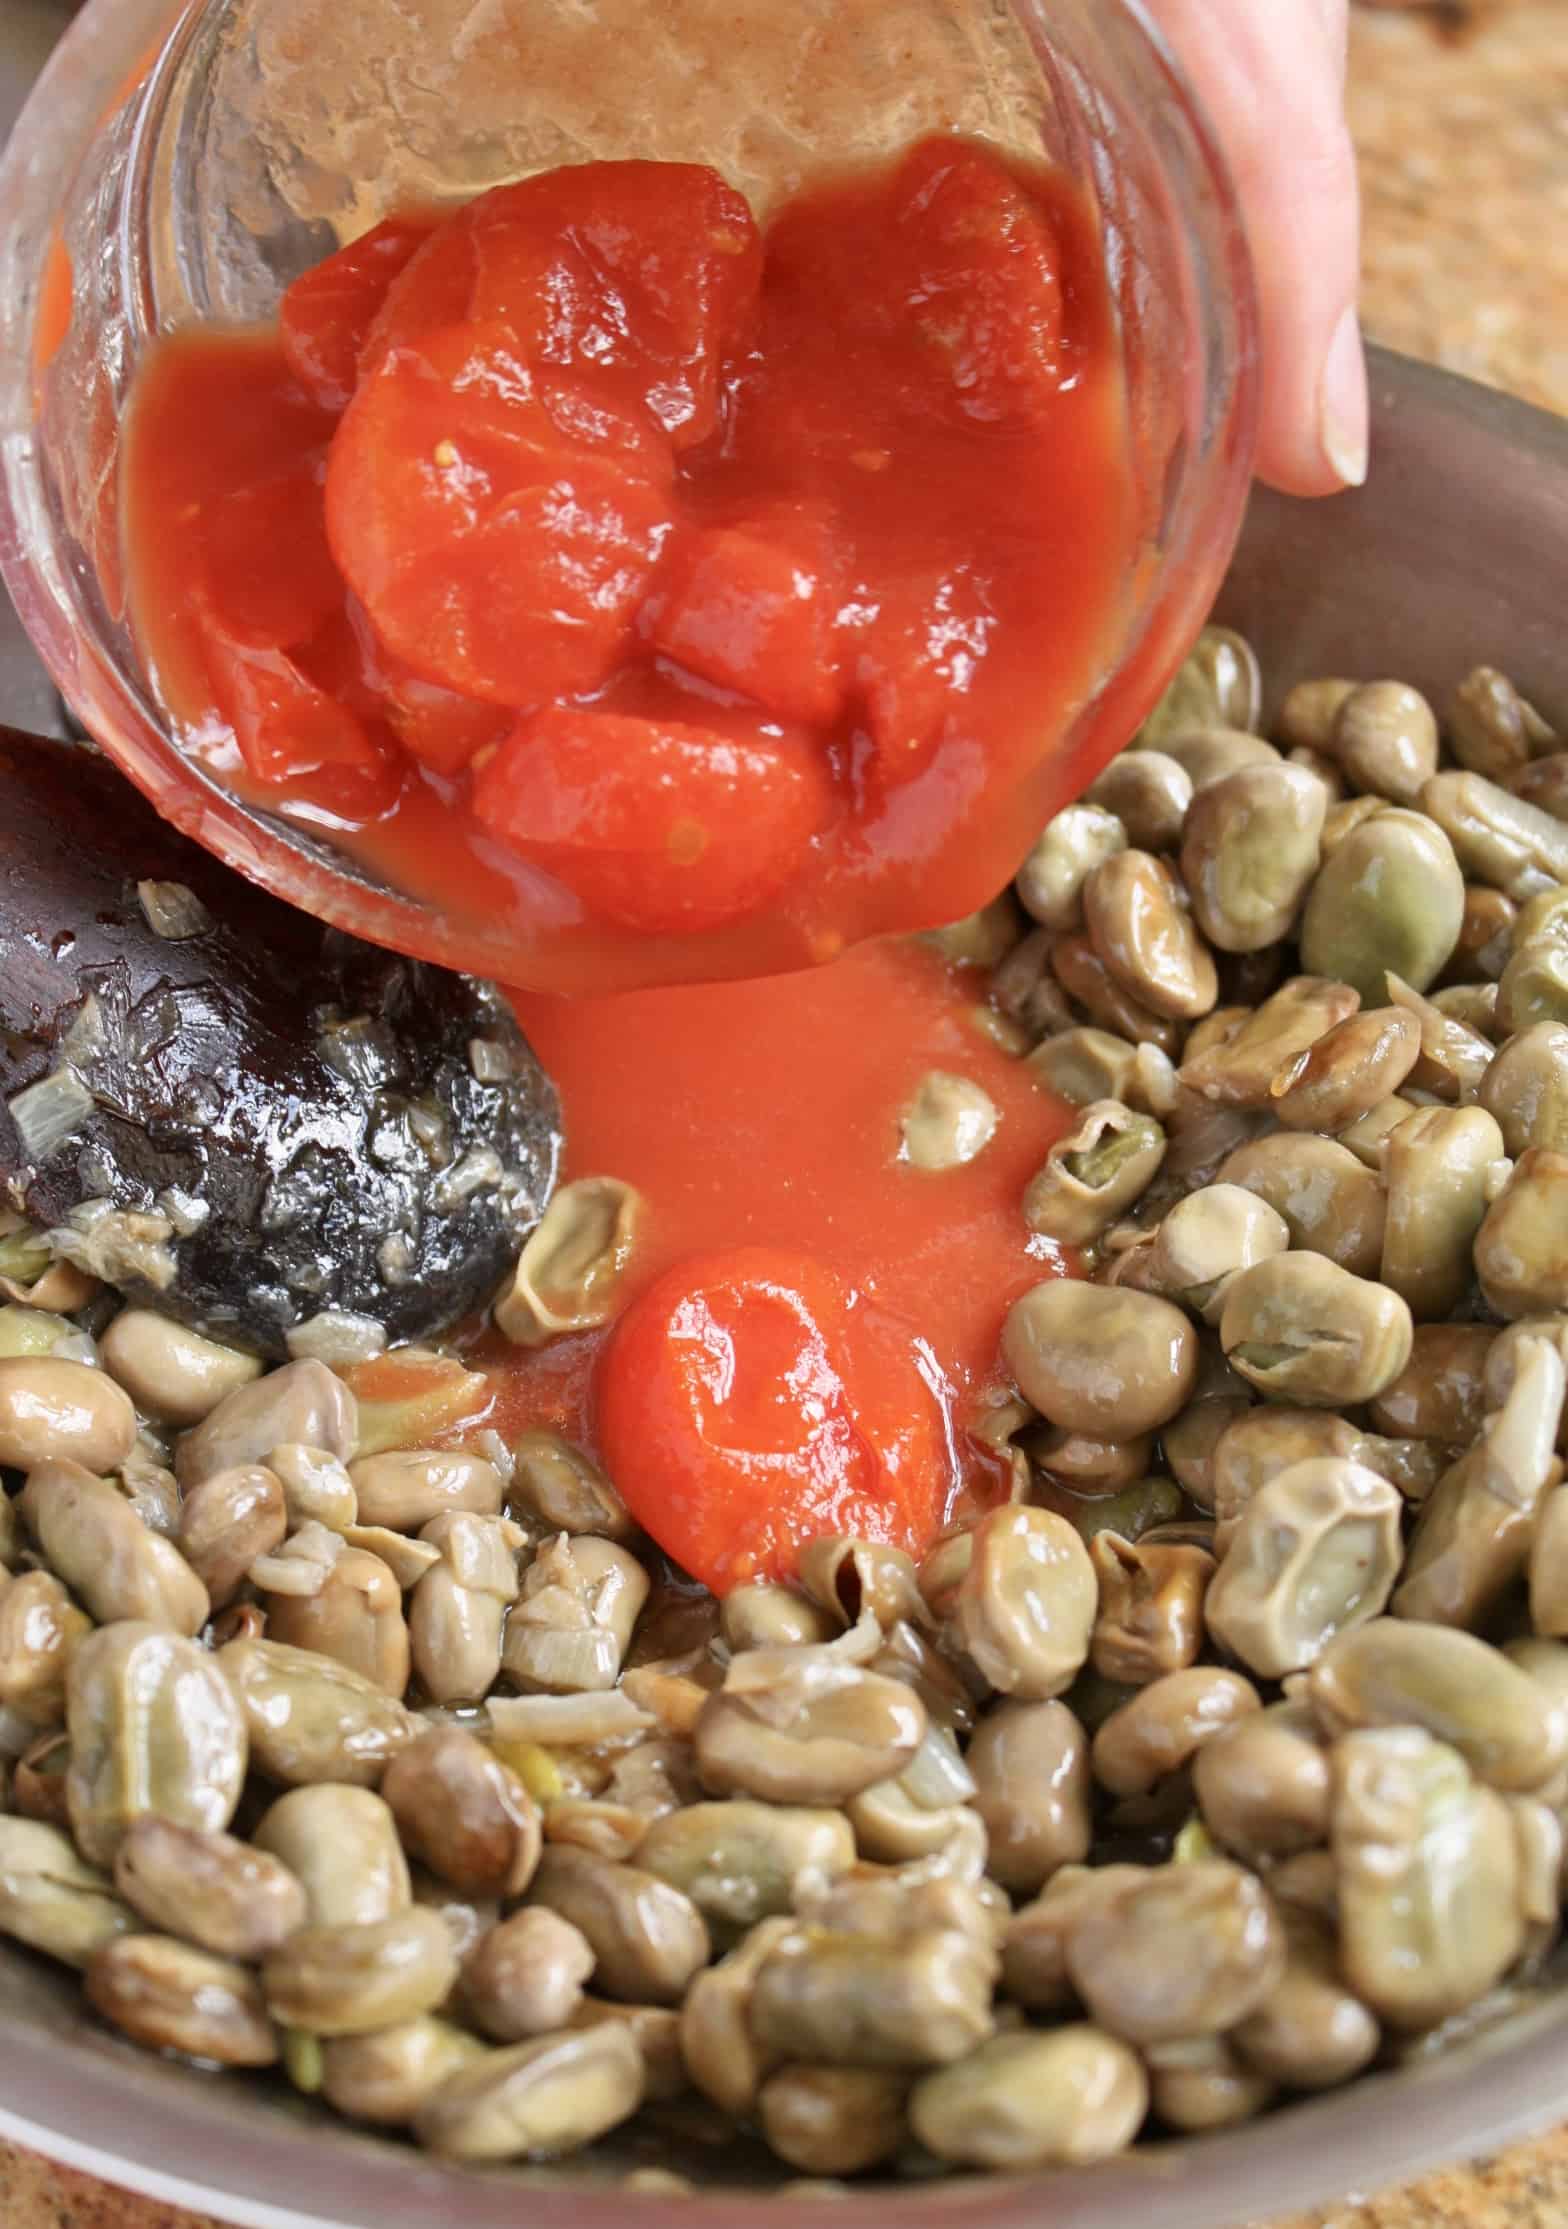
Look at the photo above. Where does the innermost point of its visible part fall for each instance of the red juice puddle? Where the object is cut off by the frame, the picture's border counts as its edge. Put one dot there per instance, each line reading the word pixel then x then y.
pixel 767 1114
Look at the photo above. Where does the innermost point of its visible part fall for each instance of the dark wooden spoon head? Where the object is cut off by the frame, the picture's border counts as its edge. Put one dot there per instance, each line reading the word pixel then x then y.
pixel 261 1119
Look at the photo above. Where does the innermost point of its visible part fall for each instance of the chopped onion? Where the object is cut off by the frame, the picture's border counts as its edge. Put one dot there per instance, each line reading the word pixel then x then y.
pixel 337 1337
pixel 48 1112
pixel 568 1721
pixel 173 911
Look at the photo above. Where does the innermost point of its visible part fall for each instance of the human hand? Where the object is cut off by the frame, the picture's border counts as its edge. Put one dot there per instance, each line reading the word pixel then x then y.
pixel 1272 75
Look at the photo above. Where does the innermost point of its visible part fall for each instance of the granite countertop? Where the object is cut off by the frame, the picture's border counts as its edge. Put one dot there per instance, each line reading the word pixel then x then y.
pixel 1461 113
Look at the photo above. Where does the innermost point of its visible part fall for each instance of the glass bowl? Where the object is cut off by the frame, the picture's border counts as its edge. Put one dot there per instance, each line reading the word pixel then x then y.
pixel 184 163
pixel 1435 565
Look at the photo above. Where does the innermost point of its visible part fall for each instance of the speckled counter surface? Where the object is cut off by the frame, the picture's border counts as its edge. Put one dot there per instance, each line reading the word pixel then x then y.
pixel 1461 114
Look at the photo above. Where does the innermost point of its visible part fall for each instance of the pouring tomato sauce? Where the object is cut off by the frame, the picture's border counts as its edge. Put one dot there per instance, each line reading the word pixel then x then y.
pixel 698 600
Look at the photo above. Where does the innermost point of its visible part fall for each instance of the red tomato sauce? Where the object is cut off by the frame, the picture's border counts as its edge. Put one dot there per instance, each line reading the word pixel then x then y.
pixel 761 1124
pixel 688 600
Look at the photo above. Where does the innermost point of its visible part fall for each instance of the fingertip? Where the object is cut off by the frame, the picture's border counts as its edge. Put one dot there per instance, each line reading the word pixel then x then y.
pixel 1318 444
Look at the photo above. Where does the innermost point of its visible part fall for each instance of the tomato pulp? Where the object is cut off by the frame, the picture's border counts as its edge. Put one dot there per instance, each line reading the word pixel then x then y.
pixel 683 599
pixel 811 1322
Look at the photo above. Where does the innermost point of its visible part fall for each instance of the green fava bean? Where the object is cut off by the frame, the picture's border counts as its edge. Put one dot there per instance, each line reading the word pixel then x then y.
pixel 1389 898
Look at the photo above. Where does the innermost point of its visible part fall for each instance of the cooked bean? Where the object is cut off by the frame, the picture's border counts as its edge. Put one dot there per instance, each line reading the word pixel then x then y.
pixel 1024 989
pixel 920 1814
pixel 569 1273
pixel 656 2031
pixel 558 1487
pixel 1322 769
pixel 723 2057
pixel 1086 979
pixel 53 1901
pixel 342 1846
pixel 1025 1606
pixel 356 1619
pixel 1232 1953
pixel 981 939
pixel 948 1122
pixel 301 1403
pixel 386 2078
pixel 317 1489
pixel 1526 1089
pixel 1331 1203
pixel 1368 1138
pixel 1024 2101
pixel 1085 1065
pixel 1493 730
pixel 1307 716
pixel 1218 681
pixel 1440 1394
pixel 463 1813
pixel 1106 1362
pixel 1499 839
pixel 1211 753
pixel 1051 880
pixel 1428 1876
pixel 1191 1442
pixel 1150 1618
pixel 792 1728
pixel 1149 793
pixel 1201 2082
pixel 1205 1238
pixel 37 1780
pixel 741 1862
pixel 154 1727
pixel 457 1613
pixel 1544 782
pixel 1163 1726
pixel 1317 1550
pixel 93 1540
pixel 208 1888
pixel 525 1976
pixel 536 2100
pixel 172 1998
pixel 832 2120
pixel 848 1577
pixel 1310 2032
pixel 1094 1173
pixel 1239 1070
pixel 405 1487
pixel 1473 1537
pixel 312 1719
pixel 1436 1172
pixel 171 1372
pixel 228 1521
pixel 351 1980
pixel 1034 1946
pixel 648 1939
pixel 1141 931
pixel 1521 1249
pixel 1249 853
pixel 1087 1464
pixel 54 1411
pixel 40 1631
pixel 1030 1763
pixel 764 1616
pixel 1385 737
pixel 1301 1328
pixel 848 2000
pixel 1466 1695
pixel 1262 1784
pixel 1351 1070
pixel 1265 1441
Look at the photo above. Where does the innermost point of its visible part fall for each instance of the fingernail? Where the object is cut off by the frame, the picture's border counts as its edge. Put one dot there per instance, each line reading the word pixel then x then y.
pixel 1342 404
